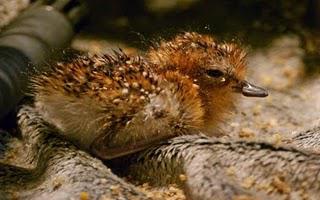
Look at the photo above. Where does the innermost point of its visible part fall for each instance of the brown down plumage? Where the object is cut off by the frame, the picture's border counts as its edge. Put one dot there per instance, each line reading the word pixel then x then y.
pixel 117 104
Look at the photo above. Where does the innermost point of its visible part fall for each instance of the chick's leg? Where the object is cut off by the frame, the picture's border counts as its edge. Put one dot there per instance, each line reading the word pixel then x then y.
pixel 60 171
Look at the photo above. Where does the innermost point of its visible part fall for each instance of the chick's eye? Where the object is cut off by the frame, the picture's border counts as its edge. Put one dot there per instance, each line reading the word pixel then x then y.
pixel 214 73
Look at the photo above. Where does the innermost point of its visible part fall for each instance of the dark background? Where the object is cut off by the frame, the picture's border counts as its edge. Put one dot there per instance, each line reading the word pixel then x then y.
pixel 254 22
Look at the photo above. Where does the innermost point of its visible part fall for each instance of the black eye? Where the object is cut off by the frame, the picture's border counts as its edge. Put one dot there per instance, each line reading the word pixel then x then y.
pixel 214 73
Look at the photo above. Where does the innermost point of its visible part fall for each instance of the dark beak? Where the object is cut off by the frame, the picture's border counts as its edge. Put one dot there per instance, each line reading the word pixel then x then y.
pixel 250 90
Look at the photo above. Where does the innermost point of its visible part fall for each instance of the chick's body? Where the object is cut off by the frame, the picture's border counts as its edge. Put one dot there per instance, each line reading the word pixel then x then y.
pixel 119 99
pixel 114 105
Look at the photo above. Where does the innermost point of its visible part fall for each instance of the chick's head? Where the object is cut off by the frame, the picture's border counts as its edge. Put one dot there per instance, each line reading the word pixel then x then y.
pixel 217 69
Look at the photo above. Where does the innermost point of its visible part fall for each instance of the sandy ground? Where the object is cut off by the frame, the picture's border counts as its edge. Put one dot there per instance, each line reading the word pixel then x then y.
pixel 10 9
pixel 293 102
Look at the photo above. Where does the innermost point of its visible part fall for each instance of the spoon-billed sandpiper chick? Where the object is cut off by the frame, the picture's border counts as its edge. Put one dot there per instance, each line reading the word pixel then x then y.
pixel 113 105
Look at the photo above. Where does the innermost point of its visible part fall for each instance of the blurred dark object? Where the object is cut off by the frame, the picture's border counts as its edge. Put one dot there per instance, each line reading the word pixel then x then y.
pixel 246 19
pixel 255 22
pixel 46 26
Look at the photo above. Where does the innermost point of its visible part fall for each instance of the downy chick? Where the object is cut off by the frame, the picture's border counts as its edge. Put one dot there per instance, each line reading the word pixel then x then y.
pixel 113 105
